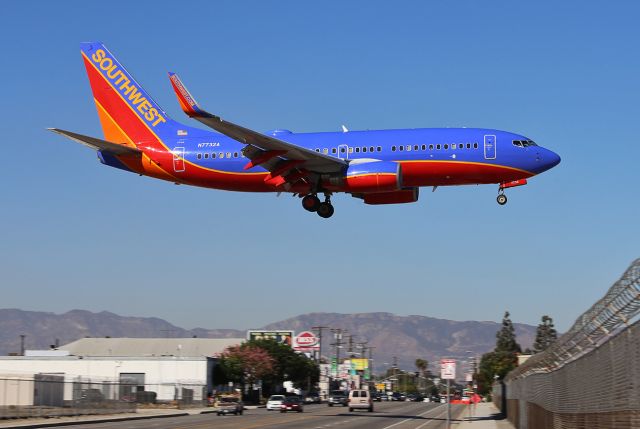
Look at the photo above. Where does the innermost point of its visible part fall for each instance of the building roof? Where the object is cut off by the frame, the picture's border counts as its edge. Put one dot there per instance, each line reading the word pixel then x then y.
pixel 141 347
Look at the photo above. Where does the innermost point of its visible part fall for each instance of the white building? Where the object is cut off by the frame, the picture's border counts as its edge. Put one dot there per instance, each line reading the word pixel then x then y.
pixel 117 368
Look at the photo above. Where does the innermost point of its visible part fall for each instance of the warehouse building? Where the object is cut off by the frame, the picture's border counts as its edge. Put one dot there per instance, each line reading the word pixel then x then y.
pixel 123 369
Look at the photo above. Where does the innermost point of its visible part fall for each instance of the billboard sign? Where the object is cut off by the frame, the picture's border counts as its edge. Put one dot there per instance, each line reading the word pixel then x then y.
pixel 447 369
pixel 306 342
pixel 359 364
pixel 282 337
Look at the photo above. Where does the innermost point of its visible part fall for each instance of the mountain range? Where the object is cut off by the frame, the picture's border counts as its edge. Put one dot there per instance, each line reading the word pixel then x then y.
pixel 399 338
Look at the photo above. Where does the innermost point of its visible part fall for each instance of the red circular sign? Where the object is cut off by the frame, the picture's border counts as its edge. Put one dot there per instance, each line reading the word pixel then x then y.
pixel 306 339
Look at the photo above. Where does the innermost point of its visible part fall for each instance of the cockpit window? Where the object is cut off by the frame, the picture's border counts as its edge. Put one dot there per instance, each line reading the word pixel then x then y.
pixel 524 143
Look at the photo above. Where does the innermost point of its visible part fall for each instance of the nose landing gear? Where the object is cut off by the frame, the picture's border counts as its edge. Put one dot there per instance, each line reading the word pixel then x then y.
pixel 312 203
pixel 502 198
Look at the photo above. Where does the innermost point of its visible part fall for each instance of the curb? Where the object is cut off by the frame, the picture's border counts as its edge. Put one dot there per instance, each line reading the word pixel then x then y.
pixel 89 422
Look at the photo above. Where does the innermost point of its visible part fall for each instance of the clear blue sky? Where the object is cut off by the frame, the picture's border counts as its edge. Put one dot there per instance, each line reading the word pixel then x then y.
pixel 76 234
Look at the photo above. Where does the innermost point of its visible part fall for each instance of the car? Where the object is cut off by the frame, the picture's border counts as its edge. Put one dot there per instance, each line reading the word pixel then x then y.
pixel 397 396
pixel 291 403
pixel 229 405
pixel 312 398
pixel 377 397
pixel 274 402
pixel 435 398
pixel 360 399
pixel 338 397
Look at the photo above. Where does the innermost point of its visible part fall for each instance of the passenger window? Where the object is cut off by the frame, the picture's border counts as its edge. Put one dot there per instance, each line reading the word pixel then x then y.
pixel 468 145
pixel 357 150
pixel 379 148
pixel 400 148
pixel 424 147
pixel 446 146
pixel 206 156
pixel 438 146
pixel 453 146
pixel 408 148
pixel 317 150
pixel 350 150
pixel 415 147
pixel 364 149
pixel 213 155
pixel 393 148
pixel 221 155
pixel 342 150
pixel 430 147
pixel 199 156
pixel 371 149
pixel 228 154
pixel 333 150
pixel 325 151
pixel 475 145
pixel 235 154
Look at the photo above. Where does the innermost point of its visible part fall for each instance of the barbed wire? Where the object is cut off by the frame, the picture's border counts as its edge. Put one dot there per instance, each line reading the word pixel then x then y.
pixel 617 310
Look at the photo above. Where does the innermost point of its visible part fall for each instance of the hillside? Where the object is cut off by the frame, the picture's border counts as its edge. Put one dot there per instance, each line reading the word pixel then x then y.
pixel 407 337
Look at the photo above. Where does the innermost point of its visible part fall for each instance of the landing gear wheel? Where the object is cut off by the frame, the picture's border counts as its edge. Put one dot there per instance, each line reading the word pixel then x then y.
pixel 325 210
pixel 311 203
pixel 502 199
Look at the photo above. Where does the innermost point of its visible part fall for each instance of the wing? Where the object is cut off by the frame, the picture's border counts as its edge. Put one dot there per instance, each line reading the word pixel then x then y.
pixel 286 162
pixel 98 144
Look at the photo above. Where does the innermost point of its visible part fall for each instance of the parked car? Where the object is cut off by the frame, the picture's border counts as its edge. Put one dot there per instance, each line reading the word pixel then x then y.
pixel 275 402
pixel 435 398
pixel 377 397
pixel 360 399
pixel 312 398
pixel 338 397
pixel 291 403
pixel 229 405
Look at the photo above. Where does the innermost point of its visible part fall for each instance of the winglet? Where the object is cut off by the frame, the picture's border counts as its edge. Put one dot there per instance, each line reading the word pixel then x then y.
pixel 186 100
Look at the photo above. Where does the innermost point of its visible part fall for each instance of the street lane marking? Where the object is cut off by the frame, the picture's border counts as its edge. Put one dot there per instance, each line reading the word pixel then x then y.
pixel 412 418
pixel 431 421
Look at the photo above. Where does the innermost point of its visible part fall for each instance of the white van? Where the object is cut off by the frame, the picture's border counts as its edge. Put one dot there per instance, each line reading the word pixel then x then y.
pixel 360 399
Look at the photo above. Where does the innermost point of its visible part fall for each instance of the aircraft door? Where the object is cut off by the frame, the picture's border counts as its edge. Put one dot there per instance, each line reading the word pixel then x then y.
pixel 490 147
pixel 343 151
pixel 178 159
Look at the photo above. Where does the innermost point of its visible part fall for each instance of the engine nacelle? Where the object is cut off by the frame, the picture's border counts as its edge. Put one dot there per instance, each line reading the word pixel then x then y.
pixel 397 197
pixel 375 176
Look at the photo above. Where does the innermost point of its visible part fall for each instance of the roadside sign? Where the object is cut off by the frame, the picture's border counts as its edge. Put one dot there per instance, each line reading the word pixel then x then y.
pixel 306 341
pixel 447 369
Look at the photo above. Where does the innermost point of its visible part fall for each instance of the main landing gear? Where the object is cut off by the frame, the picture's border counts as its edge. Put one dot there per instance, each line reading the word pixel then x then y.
pixel 312 203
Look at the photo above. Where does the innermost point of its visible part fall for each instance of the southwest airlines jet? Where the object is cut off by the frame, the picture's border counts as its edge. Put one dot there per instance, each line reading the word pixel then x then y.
pixel 379 167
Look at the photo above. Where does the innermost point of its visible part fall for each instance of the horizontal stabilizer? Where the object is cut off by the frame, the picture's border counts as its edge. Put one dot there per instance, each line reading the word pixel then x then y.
pixel 98 144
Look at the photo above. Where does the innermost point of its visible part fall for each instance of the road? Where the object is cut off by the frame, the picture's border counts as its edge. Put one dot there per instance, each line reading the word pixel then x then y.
pixel 387 415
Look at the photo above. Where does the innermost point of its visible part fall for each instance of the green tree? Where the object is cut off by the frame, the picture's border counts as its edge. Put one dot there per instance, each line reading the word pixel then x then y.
pixel 497 364
pixel 421 366
pixel 546 335
pixel 289 366
pixel 506 337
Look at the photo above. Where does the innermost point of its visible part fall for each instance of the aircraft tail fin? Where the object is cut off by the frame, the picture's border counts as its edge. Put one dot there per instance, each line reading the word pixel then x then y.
pixel 127 112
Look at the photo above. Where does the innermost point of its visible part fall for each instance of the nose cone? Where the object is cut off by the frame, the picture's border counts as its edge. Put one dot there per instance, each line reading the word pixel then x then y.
pixel 551 159
pixel 545 160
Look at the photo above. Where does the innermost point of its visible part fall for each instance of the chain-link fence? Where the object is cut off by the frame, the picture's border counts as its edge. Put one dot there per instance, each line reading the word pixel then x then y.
pixel 590 377
pixel 45 395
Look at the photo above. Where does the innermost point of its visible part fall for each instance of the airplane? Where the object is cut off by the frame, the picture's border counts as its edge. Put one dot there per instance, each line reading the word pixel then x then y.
pixel 377 166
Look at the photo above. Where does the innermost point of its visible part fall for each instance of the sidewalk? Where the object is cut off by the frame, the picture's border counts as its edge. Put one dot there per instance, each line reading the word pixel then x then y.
pixel 485 416
pixel 141 414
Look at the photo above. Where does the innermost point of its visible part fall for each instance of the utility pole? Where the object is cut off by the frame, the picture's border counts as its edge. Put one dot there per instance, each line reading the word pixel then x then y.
pixel 319 329
pixel 22 337
pixel 395 370
pixel 337 335
pixel 319 356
